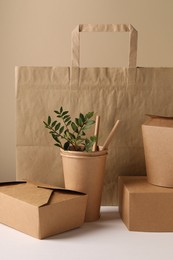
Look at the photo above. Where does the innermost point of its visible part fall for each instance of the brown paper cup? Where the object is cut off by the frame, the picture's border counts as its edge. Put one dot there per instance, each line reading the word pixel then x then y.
pixel 84 172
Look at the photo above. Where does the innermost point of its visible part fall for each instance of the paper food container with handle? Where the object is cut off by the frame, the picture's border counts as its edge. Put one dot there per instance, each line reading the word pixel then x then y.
pixel 158 147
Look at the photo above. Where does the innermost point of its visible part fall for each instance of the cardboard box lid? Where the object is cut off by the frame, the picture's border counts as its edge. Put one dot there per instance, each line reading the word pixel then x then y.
pixel 36 194
pixel 139 184
pixel 160 121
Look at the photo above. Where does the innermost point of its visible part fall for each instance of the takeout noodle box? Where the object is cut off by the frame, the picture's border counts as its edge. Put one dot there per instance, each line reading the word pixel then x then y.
pixel 158 147
pixel 41 210
pixel 143 206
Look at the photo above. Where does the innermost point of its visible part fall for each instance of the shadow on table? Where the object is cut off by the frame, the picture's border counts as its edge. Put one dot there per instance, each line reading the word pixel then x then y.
pixel 107 220
pixel 109 215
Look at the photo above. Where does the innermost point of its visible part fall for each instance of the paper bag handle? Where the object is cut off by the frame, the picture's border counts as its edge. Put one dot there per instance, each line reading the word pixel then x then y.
pixel 75 41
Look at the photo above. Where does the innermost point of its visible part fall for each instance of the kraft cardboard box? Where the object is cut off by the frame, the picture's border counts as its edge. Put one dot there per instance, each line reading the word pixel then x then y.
pixel 143 206
pixel 40 210
pixel 158 147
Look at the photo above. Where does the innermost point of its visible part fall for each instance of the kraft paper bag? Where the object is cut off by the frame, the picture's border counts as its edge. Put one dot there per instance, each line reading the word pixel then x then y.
pixel 113 93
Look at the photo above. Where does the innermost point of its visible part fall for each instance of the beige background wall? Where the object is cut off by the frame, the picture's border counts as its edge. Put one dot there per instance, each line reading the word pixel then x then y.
pixel 37 32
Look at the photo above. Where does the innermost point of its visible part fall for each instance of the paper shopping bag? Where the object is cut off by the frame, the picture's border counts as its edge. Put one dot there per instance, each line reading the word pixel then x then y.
pixel 125 93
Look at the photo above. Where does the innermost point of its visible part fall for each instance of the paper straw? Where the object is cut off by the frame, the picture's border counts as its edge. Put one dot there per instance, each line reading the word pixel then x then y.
pixel 110 136
pixel 96 133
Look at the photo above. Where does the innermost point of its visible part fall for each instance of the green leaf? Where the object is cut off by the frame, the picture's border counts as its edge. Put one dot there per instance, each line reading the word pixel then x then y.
pixel 68 123
pixel 66 145
pixel 66 132
pixel 53 124
pixel 79 142
pixel 86 141
pixel 89 115
pixel 67 119
pixel 64 113
pixel 72 136
pixel 79 122
pixel 93 138
pixel 57 112
pixel 74 127
pixel 55 138
pixel 59 145
pixel 90 122
pixel 85 127
pixel 61 130
pixel 89 146
pixel 45 124
pixel 66 116
pixel 81 116
pixel 61 109
pixel 49 120
pixel 57 127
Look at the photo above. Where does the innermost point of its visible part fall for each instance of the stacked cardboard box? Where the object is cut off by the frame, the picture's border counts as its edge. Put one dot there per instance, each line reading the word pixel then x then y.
pixel 144 206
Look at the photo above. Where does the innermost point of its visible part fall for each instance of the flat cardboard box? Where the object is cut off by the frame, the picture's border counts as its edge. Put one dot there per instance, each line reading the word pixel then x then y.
pixel 41 210
pixel 143 206
pixel 158 147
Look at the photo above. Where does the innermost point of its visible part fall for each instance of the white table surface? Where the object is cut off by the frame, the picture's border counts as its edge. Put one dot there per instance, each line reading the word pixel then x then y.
pixel 106 239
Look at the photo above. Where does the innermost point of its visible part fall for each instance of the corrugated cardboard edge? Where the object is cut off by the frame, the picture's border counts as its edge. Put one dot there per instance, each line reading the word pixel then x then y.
pixel 11 183
pixel 150 117
pixel 123 201
pixel 54 188
pixel 70 212
pixel 158 116
pixel 42 186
